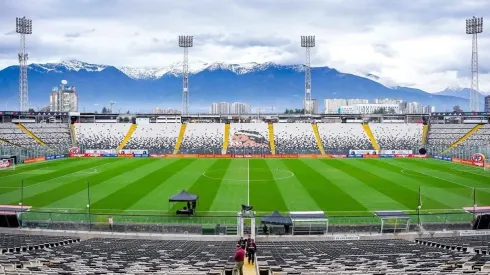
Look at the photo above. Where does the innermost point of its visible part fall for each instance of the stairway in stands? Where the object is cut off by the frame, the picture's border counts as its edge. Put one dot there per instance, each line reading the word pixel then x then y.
pixel 424 134
pixel 370 135
pixel 463 138
pixel 318 138
pixel 226 139
pixel 127 137
pixel 73 134
pixel 180 138
pixel 29 133
pixel 271 138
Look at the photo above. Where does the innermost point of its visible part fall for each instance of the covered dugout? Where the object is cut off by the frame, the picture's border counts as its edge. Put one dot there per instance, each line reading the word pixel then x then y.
pixel 482 216
pixel 309 222
pixel 393 221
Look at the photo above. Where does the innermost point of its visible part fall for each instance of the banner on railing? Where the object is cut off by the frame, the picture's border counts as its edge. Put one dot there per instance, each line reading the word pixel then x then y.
pixel 100 151
pixel 384 156
pixel 133 151
pixel 443 158
pixel 355 156
pixel 56 157
pixel 248 156
pixel 396 152
pixel 33 160
pixel 419 156
pixel 125 155
pixel 109 155
pixel 141 155
pixel 370 156
pixel 363 152
pixel 336 156
pixel 157 155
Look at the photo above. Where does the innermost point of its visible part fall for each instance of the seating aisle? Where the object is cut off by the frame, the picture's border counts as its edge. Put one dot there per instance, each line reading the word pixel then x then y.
pixel 249 269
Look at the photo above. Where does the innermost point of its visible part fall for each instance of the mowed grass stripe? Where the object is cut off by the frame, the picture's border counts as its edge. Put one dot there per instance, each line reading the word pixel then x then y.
pixel 458 172
pixel 56 173
pixel 124 198
pixel 71 188
pixel 15 180
pixel 403 195
pixel 325 193
pixel 207 188
pixel 22 168
pixel 434 195
pixel 264 193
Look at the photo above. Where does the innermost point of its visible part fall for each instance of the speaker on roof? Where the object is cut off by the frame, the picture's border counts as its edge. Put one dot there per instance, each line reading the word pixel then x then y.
pixel 422 151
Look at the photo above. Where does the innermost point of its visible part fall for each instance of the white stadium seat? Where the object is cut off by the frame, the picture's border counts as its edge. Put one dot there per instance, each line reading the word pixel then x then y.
pixel 102 136
pixel 342 137
pixel 398 136
pixel 203 138
pixel 159 138
pixel 295 138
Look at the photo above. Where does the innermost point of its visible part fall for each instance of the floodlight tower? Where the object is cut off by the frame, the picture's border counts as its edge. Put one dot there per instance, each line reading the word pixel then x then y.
pixel 23 26
pixel 111 103
pixel 308 42
pixel 186 42
pixel 474 26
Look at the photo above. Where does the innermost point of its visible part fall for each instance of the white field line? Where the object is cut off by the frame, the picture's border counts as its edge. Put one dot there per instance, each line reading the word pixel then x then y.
pixel 248 181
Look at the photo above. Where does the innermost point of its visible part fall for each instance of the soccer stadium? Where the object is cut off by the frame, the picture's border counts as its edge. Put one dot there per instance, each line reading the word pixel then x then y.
pixel 377 182
pixel 408 194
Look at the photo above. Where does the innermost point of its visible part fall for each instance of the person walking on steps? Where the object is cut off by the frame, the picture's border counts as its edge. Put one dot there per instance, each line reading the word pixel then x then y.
pixel 252 248
pixel 239 258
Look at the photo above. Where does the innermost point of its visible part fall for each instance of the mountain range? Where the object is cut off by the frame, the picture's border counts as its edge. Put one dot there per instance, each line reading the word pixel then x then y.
pixel 259 84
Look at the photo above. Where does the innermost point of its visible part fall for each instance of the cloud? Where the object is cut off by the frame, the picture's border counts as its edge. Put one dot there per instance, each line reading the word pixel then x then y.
pixel 399 41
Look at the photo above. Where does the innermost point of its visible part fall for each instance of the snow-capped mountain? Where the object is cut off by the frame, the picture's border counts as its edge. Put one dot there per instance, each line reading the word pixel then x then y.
pixel 259 84
pixel 70 65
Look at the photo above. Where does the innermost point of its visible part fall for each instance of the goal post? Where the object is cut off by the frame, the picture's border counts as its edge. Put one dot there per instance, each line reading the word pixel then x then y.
pixel 7 164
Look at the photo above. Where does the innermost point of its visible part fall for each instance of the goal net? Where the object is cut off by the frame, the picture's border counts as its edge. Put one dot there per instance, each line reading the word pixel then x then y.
pixel 7 164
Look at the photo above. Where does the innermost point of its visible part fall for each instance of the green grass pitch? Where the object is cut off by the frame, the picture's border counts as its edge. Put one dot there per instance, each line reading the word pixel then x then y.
pixel 336 186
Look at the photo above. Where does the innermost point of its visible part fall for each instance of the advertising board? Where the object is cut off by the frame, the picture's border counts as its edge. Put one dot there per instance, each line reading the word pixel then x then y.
pixel 335 156
pixel 363 152
pixel 384 156
pixel 370 156
pixel 109 155
pixel 355 156
pixel 396 152
pixel 33 160
pixel 100 151
pixel 141 155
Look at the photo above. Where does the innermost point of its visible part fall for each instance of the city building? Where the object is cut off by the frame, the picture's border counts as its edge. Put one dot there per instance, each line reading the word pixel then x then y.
pixel 428 109
pixel 332 105
pixel 414 108
pixel 373 108
pixel 220 108
pixel 311 107
pixel 347 110
pixel 238 108
pixel 159 111
pixel 487 103
pixel 63 98
pixel 387 101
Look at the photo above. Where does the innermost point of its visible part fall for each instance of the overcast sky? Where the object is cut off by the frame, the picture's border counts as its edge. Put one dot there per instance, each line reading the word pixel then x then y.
pixel 416 43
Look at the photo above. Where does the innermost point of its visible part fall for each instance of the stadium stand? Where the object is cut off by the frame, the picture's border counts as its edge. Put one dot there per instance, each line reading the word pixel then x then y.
pixel 341 137
pixel 127 256
pixel 460 243
pixel 295 138
pixel 101 136
pixel 21 243
pixel 158 138
pixel 55 135
pixel 398 136
pixel 11 133
pixel 358 257
pixel 204 138
pixel 249 138
pixel 480 138
pixel 446 134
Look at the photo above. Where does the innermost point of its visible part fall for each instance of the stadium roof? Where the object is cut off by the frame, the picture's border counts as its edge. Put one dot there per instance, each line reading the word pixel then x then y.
pixel 276 218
